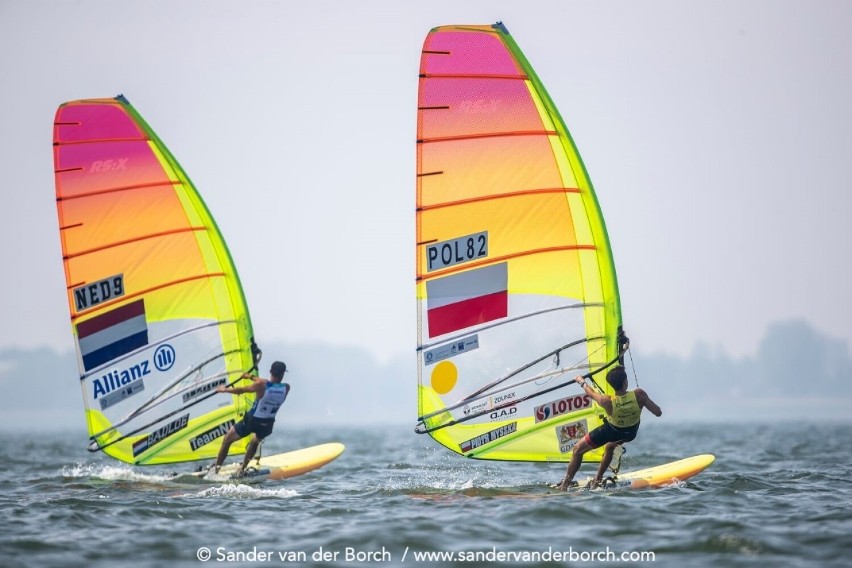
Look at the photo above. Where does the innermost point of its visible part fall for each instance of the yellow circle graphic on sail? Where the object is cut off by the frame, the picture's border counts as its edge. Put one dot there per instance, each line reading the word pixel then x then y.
pixel 444 377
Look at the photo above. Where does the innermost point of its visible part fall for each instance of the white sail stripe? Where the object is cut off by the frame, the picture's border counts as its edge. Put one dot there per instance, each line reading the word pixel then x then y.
pixel 157 398
pixel 153 403
pixel 489 390
pixel 177 380
pixel 467 401
pixel 505 321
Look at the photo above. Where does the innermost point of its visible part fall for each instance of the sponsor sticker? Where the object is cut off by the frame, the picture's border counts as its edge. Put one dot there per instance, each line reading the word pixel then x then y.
pixel 122 393
pixel 208 436
pixel 164 357
pixel 503 414
pixel 449 350
pixel 562 406
pixel 204 389
pixel 120 379
pixel 570 434
pixel 488 437
pixel 477 407
pixel 503 398
pixel 160 434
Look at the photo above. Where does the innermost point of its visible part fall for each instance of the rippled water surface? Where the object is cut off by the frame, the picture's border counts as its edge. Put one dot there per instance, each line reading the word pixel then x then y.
pixel 777 495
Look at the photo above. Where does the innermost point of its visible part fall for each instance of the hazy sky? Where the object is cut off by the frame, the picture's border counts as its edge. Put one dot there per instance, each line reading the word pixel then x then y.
pixel 718 136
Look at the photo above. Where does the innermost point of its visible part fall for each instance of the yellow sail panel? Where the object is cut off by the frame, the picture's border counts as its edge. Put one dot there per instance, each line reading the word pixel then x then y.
pixel 516 288
pixel 156 307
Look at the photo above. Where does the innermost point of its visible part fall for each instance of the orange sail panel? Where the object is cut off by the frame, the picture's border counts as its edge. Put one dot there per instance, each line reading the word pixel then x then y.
pixel 156 306
pixel 516 288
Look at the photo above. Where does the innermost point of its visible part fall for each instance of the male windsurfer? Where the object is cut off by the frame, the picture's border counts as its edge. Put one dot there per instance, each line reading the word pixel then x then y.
pixel 269 395
pixel 621 426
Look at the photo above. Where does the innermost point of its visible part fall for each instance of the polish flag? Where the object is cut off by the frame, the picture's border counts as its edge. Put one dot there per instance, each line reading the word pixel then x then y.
pixel 467 299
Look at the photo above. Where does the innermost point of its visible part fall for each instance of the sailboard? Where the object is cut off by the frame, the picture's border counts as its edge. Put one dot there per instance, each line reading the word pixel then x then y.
pixel 649 478
pixel 278 466
pixel 515 280
pixel 157 311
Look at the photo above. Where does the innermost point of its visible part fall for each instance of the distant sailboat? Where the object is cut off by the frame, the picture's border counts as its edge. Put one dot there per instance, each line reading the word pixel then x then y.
pixel 516 286
pixel 157 310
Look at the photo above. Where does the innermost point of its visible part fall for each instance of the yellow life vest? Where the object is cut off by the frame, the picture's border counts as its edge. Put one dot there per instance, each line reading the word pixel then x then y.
pixel 625 410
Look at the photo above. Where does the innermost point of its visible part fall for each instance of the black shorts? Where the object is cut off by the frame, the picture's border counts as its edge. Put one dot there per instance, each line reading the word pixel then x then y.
pixel 606 433
pixel 251 425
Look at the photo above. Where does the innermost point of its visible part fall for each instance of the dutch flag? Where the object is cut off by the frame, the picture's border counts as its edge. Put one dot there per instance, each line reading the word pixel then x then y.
pixel 112 334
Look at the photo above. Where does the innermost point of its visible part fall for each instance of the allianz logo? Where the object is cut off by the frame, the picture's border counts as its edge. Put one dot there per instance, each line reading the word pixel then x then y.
pixel 118 378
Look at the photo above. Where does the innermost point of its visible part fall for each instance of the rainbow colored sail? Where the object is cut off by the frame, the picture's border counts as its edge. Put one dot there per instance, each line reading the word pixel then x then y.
pixel 157 310
pixel 516 287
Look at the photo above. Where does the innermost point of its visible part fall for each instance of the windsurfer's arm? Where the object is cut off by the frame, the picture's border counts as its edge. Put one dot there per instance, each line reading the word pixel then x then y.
pixel 254 387
pixel 235 390
pixel 645 402
pixel 601 399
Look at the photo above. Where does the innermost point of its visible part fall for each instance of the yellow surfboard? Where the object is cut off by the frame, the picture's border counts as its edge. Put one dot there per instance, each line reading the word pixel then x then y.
pixel 298 462
pixel 278 466
pixel 656 476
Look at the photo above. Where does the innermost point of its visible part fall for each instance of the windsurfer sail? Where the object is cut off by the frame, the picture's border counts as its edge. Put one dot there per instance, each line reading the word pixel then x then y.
pixel 157 311
pixel 516 287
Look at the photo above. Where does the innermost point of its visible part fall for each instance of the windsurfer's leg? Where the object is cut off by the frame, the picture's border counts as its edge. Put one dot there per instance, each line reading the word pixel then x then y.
pixel 229 439
pixel 574 464
pixel 606 459
pixel 251 449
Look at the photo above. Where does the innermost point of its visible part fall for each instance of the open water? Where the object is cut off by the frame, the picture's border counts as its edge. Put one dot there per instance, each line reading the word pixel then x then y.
pixel 778 495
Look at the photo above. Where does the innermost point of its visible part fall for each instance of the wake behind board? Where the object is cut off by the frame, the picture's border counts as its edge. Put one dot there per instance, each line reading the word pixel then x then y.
pixel 278 466
pixel 656 476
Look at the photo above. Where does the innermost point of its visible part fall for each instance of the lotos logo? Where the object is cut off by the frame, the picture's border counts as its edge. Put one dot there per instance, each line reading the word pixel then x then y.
pixel 561 406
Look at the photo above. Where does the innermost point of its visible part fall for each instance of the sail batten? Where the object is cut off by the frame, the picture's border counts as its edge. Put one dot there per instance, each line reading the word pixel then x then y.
pixel 96 140
pixel 133 240
pixel 155 303
pixel 448 340
pixel 508 237
pixel 559 190
pixel 114 189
